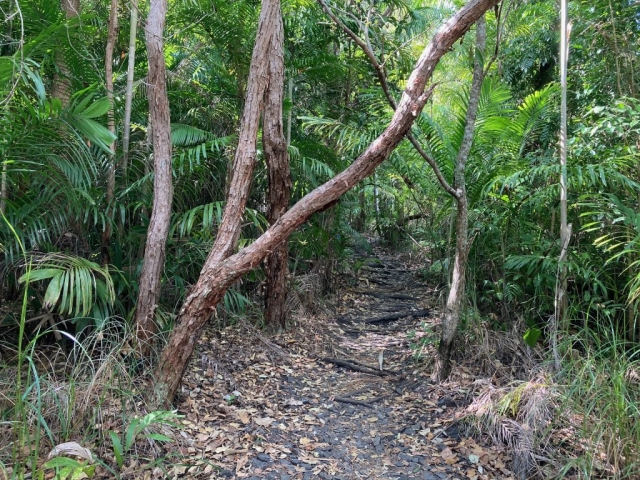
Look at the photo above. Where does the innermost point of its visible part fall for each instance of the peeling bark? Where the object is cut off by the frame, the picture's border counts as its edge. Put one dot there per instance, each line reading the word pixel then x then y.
pixel 221 268
pixel 277 158
pixel 154 254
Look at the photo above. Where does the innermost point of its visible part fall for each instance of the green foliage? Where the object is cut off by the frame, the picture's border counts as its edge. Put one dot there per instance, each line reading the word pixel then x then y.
pixel 602 382
pixel 137 430
pixel 531 336
pixel 55 163
pixel 70 469
pixel 419 341
pixel 77 287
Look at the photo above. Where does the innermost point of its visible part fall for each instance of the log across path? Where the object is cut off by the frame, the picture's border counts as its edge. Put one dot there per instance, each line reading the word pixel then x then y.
pixel 341 395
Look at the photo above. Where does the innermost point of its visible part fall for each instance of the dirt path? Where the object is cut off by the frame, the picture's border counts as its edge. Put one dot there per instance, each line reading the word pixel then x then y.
pixel 314 403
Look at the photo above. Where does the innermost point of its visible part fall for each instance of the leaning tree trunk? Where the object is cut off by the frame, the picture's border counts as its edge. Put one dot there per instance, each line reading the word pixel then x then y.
pixel 61 87
pixel 111 168
pixel 458 280
pixel 154 254
pixel 221 270
pixel 277 158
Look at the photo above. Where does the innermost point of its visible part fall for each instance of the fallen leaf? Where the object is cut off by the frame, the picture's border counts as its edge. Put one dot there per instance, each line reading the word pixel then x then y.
pixel 243 415
pixel 264 422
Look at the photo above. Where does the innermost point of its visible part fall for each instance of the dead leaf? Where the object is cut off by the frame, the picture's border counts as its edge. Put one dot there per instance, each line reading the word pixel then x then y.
pixel 71 448
pixel 264 422
pixel 243 415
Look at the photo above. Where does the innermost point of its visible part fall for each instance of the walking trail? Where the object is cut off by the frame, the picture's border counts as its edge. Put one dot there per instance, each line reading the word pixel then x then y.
pixel 342 395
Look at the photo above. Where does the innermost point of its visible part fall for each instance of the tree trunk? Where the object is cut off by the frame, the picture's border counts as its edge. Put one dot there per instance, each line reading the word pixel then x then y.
pixel 456 297
pixel 129 88
pixel 221 270
pixel 560 300
pixel 277 158
pixel 62 79
pixel 154 255
pixel 111 168
pixel 3 188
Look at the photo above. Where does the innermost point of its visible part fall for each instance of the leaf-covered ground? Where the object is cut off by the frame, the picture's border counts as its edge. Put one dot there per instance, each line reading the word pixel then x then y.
pixel 314 402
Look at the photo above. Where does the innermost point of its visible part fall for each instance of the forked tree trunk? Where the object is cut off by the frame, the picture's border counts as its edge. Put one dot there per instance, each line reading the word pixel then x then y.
pixel 458 279
pixel 111 168
pixel 61 87
pixel 154 254
pixel 220 269
pixel 277 158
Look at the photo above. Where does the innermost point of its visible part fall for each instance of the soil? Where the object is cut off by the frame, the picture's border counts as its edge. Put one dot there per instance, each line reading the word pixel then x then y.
pixel 344 394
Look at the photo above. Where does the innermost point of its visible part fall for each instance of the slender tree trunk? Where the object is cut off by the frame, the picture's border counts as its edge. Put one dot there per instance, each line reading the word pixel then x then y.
pixel 361 219
pixel 290 112
pixel 277 158
pixel 3 189
pixel 456 297
pixel 154 254
pixel 221 268
pixel 111 169
pixel 565 228
pixel 62 79
pixel 616 50
pixel 129 89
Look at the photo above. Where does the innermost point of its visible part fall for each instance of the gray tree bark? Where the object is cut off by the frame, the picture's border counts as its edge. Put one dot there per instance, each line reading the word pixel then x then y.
pixel 222 268
pixel 129 88
pixel 560 299
pixel 457 296
pixel 154 255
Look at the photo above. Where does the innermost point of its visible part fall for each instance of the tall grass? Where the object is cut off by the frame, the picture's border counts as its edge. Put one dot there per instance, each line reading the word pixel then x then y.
pixel 583 423
pixel 88 392
pixel 602 389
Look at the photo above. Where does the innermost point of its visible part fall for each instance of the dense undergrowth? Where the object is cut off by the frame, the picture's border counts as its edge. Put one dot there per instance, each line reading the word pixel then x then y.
pixel 70 369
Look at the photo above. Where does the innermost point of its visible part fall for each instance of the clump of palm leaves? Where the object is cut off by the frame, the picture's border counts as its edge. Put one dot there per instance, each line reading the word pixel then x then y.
pixel 586 422
pixel 518 416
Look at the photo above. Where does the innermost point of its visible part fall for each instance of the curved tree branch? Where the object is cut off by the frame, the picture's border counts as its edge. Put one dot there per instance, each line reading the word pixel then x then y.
pixel 382 78
pixel 220 270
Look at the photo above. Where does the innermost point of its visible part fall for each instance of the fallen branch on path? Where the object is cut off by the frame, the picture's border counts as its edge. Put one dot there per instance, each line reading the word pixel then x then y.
pixel 364 403
pixel 394 296
pixel 355 367
pixel 352 401
pixel 397 316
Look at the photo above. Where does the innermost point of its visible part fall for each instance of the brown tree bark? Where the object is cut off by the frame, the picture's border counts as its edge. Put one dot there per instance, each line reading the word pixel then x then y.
pixel 277 158
pixel 154 255
pixel 111 169
pixel 221 270
pixel 62 78
pixel 456 296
